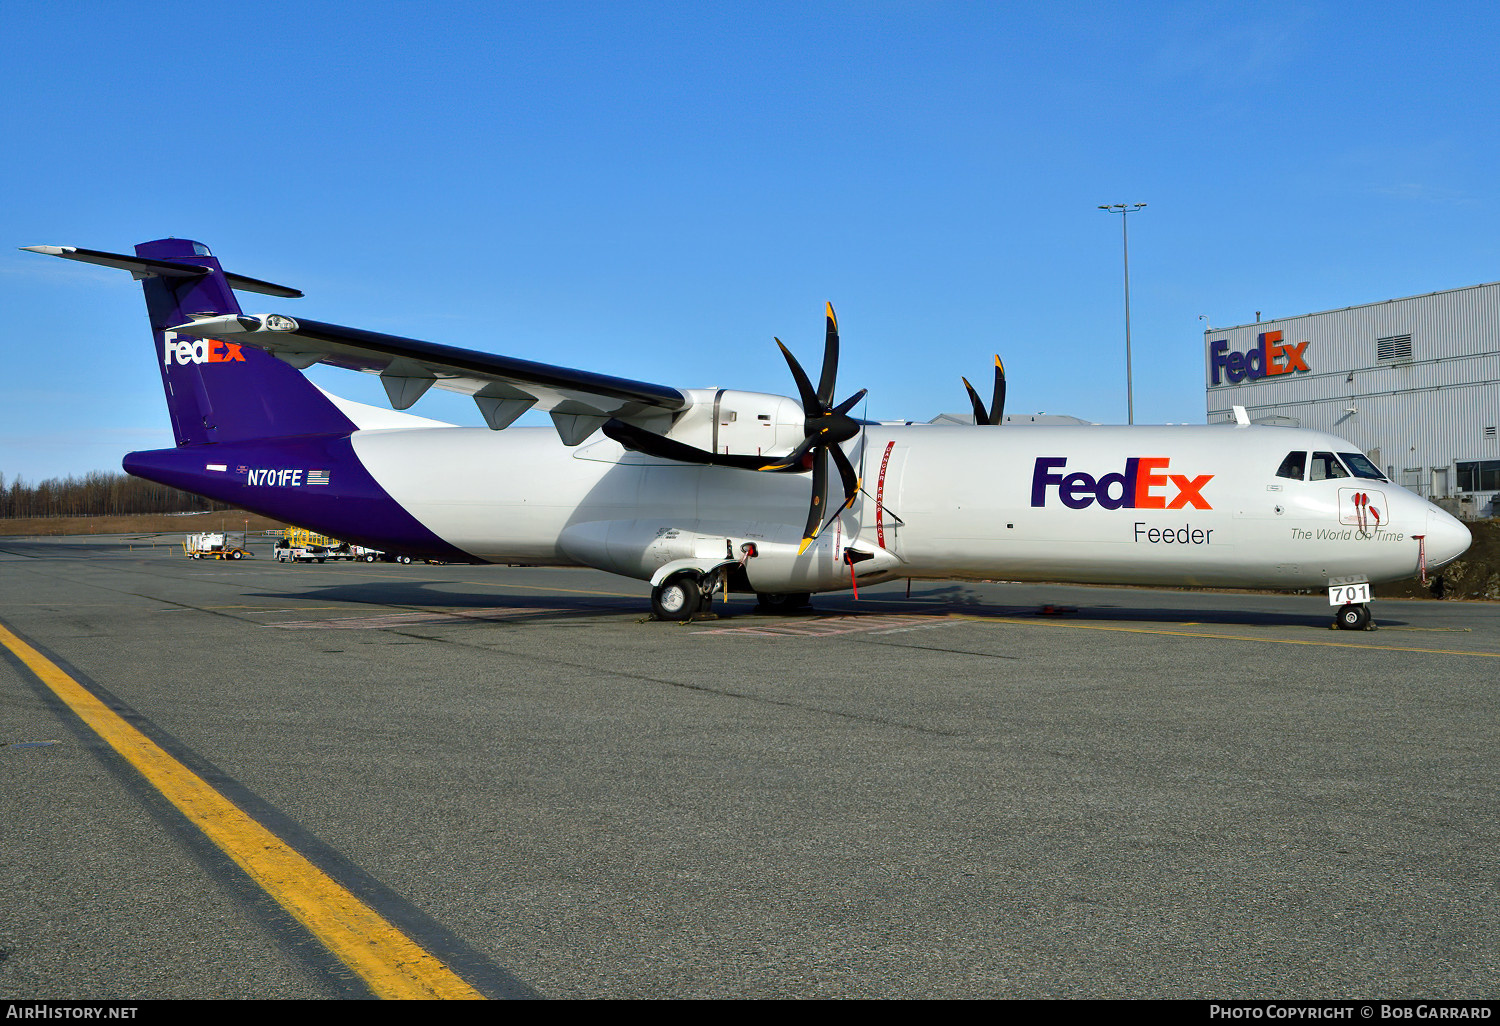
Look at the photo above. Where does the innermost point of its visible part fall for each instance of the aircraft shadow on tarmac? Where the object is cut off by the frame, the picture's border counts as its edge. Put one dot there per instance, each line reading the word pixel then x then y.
pixel 1224 613
pixel 955 599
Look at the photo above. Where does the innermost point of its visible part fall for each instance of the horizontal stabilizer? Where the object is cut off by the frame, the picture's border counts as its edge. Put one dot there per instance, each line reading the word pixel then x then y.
pixel 144 267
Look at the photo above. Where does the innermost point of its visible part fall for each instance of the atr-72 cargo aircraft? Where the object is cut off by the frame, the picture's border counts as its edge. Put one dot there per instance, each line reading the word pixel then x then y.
pixel 691 488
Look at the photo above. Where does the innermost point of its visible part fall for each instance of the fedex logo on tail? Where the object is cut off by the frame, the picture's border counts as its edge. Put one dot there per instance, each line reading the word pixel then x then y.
pixel 1268 359
pixel 185 349
pixel 1144 484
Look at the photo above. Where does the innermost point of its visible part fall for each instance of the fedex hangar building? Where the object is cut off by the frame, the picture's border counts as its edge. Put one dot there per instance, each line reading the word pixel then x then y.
pixel 1413 382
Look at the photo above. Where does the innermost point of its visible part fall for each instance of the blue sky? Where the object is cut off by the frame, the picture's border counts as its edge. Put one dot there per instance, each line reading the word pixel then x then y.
pixel 654 190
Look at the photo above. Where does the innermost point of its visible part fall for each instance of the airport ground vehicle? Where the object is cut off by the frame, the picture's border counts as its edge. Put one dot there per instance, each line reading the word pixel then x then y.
pixel 298 545
pixel 213 545
pixel 368 555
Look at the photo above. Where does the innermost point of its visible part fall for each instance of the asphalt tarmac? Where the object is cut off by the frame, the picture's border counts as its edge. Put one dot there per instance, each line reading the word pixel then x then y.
pixel 1149 794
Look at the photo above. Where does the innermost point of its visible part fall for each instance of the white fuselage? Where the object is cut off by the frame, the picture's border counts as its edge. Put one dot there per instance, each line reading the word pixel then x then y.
pixel 1164 505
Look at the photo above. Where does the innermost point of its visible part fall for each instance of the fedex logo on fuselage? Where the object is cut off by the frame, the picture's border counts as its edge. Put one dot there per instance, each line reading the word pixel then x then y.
pixel 1143 484
pixel 1268 359
pixel 185 349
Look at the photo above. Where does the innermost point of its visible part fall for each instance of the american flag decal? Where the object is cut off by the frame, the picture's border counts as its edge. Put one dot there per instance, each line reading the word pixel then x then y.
pixel 317 477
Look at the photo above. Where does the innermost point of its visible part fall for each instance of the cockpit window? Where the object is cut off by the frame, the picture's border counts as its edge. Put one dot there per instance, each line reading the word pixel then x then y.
pixel 1326 466
pixel 1294 466
pixel 1360 464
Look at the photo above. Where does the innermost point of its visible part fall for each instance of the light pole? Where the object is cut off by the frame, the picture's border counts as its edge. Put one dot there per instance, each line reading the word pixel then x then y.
pixel 1125 210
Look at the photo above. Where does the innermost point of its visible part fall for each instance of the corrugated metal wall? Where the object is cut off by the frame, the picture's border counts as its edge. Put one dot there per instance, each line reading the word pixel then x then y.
pixel 1416 417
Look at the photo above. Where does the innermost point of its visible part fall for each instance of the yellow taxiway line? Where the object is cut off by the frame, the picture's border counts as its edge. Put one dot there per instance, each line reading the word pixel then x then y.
pixel 390 963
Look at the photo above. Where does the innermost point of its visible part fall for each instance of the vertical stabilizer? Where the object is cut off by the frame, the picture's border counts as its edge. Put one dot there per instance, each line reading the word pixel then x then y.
pixel 221 391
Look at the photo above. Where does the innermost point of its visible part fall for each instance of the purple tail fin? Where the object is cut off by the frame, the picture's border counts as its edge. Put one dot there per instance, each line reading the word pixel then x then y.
pixel 222 391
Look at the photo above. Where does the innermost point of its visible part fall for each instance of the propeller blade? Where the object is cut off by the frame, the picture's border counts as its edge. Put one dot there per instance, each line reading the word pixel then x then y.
pixel 997 408
pixel 843 408
pixel 996 412
pixel 980 416
pixel 830 360
pixel 792 461
pixel 651 444
pixel 850 479
pixel 810 404
pixel 851 486
pixel 815 508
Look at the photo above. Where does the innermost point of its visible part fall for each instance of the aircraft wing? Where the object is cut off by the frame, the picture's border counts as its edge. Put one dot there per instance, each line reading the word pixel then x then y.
pixel 503 387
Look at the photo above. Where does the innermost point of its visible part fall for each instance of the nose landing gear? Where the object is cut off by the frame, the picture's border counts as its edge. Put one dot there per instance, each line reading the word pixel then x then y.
pixel 1355 616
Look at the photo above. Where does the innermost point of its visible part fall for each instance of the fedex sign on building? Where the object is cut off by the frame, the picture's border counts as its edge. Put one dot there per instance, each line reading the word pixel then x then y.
pixel 1267 359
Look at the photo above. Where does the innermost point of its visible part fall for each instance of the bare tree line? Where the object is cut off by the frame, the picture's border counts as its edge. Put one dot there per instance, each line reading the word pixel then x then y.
pixel 97 493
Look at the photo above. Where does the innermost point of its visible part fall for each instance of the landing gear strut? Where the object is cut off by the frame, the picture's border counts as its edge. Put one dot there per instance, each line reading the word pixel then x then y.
pixel 1354 616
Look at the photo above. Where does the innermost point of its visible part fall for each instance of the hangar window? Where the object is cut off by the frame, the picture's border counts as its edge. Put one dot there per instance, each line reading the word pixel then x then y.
pixel 1393 349
pixel 1360 464
pixel 1479 476
pixel 1294 466
pixel 1326 467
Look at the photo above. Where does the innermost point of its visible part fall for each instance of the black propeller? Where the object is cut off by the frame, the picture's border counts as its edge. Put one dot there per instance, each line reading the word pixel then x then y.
pixel 825 427
pixel 996 414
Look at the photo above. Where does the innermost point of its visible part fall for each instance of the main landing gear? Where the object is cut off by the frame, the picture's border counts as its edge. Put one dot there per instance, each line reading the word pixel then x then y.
pixel 686 589
pixel 681 597
pixel 686 592
pixel 689 594
pixel 1355 616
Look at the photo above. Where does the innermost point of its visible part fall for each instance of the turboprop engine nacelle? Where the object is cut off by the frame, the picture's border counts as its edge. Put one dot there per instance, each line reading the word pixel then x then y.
pixel 726 420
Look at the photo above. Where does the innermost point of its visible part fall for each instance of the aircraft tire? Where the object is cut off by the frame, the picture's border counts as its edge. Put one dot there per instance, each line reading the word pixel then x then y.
pixel 1354 617
pixel 676 598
